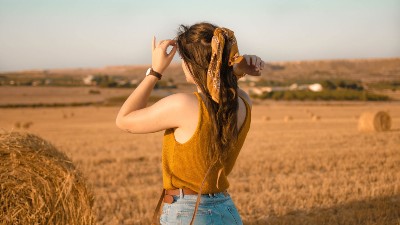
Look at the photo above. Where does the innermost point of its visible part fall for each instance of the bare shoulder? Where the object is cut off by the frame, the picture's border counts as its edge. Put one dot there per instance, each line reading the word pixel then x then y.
pixel 244 95
pixel 180 99
pixel 183 97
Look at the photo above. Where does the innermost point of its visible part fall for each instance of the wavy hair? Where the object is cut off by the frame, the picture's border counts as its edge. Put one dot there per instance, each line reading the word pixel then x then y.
pixel 194 47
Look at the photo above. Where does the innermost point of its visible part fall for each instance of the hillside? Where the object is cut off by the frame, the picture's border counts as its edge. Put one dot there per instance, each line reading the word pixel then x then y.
pixel 366 70
pixel 380 76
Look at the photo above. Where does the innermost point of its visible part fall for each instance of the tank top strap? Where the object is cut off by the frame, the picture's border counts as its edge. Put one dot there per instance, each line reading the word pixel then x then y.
pixel 246 104
pixel 247 117
pixel 203 108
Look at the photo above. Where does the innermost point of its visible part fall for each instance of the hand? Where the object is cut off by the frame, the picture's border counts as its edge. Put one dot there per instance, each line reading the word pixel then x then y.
pixel 251 65
pixel 160 59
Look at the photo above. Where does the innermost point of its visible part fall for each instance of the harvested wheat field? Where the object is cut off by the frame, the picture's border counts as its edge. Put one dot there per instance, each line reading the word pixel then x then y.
pixel 298 171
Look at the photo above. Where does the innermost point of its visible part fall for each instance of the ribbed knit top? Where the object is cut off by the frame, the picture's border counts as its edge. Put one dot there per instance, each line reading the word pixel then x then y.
pixel 184 165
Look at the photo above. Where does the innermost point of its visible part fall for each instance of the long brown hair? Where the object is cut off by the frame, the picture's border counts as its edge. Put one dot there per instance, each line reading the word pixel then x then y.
pixel 194 46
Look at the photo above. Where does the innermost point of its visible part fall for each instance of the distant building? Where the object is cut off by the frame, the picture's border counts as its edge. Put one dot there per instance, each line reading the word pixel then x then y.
pixel 122 82
pixel 36 83
pixel 89 80
pixel 48 81
pixel 315 87
pixel 294 87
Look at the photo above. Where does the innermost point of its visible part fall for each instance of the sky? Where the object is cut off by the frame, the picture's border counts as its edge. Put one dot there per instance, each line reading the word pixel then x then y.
pixel 47 34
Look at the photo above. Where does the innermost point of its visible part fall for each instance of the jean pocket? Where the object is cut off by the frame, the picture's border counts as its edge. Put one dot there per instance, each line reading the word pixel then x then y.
pixel 235 215
pixel 203 216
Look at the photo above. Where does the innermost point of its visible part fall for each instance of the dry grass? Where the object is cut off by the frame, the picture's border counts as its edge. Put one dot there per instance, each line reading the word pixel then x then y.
pixel 23 96
pixel 50 95
pixel 300 172
pixel 39 184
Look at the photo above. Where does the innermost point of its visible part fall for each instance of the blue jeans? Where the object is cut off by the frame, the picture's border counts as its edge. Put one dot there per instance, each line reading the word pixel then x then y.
pixel 213 209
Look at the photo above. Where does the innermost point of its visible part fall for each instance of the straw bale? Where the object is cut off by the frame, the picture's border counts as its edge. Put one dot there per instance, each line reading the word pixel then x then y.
pixel 266 118
pixel 287 118
pixel 374 121
pixel 39 184
pixel 316 118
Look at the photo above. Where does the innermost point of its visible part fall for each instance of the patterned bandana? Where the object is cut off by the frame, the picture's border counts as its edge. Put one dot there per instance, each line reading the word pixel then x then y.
pixel 217 46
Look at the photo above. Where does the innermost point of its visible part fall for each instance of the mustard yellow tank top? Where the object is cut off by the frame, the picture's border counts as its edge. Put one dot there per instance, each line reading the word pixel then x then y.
pixel 184 164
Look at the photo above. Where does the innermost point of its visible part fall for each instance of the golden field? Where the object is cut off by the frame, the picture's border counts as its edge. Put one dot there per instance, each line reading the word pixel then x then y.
pixel 290 171
pixel 297 172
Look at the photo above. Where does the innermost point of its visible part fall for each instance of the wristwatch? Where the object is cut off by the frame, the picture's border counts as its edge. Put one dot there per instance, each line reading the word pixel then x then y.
pixel 150 71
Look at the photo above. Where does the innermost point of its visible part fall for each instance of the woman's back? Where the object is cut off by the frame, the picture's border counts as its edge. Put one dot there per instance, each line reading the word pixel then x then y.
pixel 189 123
pixel 185 162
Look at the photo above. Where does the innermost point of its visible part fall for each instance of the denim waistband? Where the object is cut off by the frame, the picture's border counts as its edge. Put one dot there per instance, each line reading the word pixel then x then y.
pixel 204 198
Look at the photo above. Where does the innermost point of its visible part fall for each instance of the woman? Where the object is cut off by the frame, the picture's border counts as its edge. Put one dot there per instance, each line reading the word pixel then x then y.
pixel 204 130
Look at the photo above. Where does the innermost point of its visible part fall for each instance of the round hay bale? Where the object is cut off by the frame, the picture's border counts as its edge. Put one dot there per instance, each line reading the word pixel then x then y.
pixel 287 118
pixel 39 184
pixel 27 125
pixel 374 121
pixel 316 118
pixel 17 124
pixel 266 118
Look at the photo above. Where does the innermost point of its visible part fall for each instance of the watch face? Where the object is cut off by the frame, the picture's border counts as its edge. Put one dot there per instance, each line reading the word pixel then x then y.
pixel 148 71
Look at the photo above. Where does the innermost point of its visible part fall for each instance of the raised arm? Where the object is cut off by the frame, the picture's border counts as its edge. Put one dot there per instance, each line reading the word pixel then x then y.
pixel 133 116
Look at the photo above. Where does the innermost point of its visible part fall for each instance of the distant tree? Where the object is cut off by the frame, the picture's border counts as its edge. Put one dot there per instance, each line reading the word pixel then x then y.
pixel 327 84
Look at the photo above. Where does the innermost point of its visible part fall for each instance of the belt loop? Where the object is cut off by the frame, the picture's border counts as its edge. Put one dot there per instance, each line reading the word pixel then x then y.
pixel 180 193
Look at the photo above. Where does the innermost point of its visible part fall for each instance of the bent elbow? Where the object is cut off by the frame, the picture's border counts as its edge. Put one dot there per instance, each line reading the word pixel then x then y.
pixel 122 124
pixel 119 123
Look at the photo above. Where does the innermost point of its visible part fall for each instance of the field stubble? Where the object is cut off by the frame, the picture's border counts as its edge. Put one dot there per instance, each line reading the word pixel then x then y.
pixel 297 172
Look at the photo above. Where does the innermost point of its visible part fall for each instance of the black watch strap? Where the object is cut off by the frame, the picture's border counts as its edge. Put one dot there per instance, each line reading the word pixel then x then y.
pixel 154 73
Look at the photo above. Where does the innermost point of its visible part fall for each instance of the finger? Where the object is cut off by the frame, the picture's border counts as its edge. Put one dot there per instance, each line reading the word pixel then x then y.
pixel 253 60
pixel 159 43
pixel 246 57
pixel 172 52
pixel 262 64
pixel 258 62
pixel 166 43
pixel 154 43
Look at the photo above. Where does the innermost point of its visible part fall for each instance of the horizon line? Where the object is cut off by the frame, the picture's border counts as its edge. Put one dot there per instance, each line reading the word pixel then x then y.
pixel 177 63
